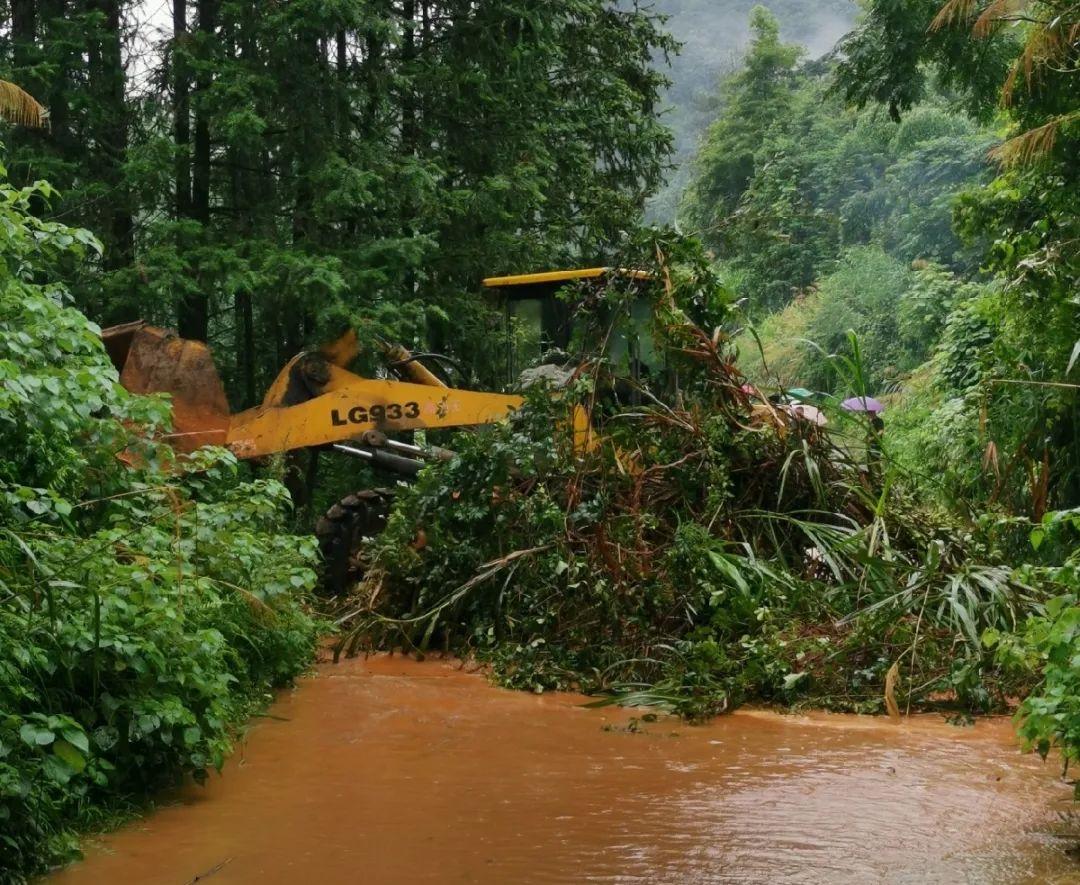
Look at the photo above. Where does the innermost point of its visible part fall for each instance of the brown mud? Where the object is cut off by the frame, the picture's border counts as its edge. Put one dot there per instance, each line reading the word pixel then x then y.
pixel 389 770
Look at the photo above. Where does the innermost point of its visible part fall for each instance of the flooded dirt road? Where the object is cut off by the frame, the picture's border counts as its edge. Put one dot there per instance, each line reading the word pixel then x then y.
pixel 388 770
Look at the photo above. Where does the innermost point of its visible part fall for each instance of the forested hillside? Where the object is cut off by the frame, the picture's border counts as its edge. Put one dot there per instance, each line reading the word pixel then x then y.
pixel 903 223
pixel 713 35
pixel 884 221
pixel 788 177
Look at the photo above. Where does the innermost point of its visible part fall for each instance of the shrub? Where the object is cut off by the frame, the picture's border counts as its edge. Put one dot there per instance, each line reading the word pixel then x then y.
pixel 146 607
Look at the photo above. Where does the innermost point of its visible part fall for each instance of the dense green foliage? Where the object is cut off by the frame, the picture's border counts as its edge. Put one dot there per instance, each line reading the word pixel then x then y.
pixel 1025 220
pixel 280 171
pixel 901 314
pixel 991 290
pixel 263 177
pixel 712 36
pixel 147 607
pixel 899 220
pixel 1028 337
pixel 964 305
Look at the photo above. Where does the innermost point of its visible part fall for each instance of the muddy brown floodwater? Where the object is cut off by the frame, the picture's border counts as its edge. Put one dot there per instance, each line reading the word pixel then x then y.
pixel 389 770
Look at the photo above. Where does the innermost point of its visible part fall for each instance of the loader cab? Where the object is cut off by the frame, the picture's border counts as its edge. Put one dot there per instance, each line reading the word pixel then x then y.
pixel 539 323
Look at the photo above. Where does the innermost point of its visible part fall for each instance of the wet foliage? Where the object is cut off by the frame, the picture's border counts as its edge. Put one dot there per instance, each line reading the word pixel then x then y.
pixel 280 173
pixel 971 337
pixel 147 605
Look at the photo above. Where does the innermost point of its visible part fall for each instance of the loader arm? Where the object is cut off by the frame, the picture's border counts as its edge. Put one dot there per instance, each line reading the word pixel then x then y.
pixel 353 405
pixel 314 401
pixel 348 406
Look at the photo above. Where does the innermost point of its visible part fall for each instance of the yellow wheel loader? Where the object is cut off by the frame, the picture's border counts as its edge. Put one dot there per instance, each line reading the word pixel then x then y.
pixel 316 402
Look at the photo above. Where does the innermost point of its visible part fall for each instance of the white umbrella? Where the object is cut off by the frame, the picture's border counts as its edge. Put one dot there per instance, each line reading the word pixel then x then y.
pixel 808 413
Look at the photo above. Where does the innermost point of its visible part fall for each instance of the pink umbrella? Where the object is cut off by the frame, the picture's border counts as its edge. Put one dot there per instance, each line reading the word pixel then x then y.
pixel 863 404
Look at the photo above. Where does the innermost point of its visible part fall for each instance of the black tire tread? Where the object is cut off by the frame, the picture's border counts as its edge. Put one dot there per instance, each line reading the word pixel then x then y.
pixel 339 533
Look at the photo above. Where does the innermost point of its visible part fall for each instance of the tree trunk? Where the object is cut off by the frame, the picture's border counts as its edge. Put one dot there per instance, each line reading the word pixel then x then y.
pixel 25 53
pixel 194 314
pixel 23 37
pixel 408 54
pixel 107 82
pixel 246 321
pixel 408 117
pixel 181 110
pixel 247 192
pixel 54 13
pixel 342 87
pixel 200 178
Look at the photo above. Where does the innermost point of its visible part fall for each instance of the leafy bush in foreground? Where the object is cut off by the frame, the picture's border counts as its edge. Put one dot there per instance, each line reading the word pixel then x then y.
pixel 1049 718
pixel 145 610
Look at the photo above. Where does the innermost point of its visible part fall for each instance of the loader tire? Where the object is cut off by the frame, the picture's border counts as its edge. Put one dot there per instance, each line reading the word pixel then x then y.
pixel 341 532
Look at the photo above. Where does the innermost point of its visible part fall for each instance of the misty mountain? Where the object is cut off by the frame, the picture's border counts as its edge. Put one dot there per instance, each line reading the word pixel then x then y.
pixel 714 34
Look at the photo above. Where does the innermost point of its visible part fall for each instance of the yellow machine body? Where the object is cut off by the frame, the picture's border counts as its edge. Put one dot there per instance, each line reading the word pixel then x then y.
pixel 356 405
pixel 339 404
pixel 315 400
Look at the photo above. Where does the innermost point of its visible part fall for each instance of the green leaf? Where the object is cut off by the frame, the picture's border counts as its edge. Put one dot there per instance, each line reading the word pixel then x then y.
pixel 35 735
pixel 57 770
pixel 1072 359
pixel 76 737
pixel 725 565
pixel 793 679
pixel 70 755
pixel 105 737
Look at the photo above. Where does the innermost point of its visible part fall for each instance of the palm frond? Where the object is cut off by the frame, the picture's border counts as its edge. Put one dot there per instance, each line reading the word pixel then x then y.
pixel 953 12
pixel 1009 88
pixel 1045 47
pixel 994 13
pixel 20 107
pixel 1033 144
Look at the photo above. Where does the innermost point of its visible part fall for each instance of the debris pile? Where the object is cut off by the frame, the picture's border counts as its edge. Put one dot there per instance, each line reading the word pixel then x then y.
pixel 708 549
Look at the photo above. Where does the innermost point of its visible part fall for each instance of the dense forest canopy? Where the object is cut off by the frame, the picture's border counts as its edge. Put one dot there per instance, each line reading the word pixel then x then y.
pixel 264 173
pixel 903 204
pixel 712 36
pixel 789 176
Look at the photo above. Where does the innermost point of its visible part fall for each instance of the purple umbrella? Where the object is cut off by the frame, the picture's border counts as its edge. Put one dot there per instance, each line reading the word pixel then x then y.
pixel 862 404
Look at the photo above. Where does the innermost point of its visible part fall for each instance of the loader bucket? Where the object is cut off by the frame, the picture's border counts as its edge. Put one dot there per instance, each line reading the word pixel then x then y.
pixel 152 360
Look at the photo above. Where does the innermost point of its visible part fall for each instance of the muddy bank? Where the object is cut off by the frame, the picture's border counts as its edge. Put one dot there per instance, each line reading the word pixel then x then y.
pixel 389 770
